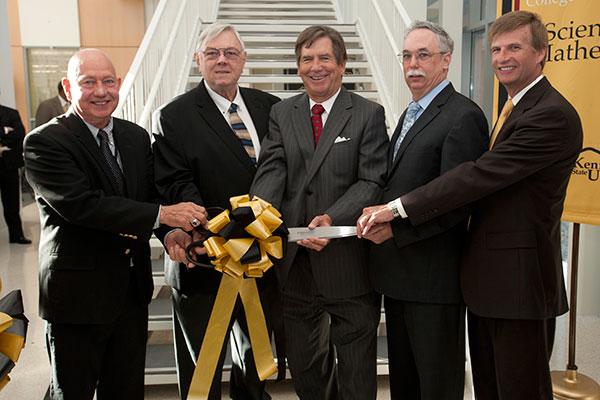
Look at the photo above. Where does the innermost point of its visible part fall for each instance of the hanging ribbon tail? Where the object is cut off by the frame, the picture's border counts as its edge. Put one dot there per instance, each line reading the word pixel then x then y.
pixel 13 331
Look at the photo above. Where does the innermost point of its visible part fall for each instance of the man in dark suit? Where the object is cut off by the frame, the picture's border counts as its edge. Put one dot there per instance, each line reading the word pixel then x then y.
pixel 417 268
pixel 323 175
pixel 12 133
pixel 206 154
pixel 511 272
pixel 52 107
pixel 92 175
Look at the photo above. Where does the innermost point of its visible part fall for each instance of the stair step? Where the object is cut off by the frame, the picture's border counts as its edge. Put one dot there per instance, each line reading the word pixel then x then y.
pixel 291 39
pixel 289 51
pixel 284 94
pixel 276 22
pixel 271 14
pixel 287 79
pixel 277 6
pixel 289 27
pixel 292 64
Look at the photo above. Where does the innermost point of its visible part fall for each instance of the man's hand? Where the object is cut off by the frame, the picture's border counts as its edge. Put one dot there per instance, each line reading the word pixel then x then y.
pixel 176 242
pixel 372 216
pixel 317 244
pixel 183 215
pixel 380 233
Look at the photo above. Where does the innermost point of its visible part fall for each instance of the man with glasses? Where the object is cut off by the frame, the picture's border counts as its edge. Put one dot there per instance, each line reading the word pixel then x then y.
pixel 206 153
pixel 417 268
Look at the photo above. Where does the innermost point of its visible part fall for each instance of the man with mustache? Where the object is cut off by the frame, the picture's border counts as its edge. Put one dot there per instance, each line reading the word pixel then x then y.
pixel 417 268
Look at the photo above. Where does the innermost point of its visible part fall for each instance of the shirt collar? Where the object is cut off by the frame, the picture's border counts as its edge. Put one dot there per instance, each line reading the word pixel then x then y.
pixel 108 128
pixel 327 104
pixel 426 100
pixel 221 102
pixel 523 91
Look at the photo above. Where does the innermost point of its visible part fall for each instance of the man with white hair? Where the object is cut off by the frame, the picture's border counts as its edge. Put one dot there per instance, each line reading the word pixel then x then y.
pixel 92 176
pixel 206 153
pixel 417 268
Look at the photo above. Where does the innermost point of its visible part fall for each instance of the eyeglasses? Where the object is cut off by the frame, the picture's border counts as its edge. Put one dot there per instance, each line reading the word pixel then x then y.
pixel 422 56
pixel 230 53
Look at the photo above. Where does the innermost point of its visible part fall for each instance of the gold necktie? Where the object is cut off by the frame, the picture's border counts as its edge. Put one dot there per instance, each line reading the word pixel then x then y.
pixel 508 106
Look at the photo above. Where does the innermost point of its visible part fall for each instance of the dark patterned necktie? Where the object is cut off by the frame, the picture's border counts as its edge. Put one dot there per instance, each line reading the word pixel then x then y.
pixel 111 161
pixel 317 121
pixel 241 131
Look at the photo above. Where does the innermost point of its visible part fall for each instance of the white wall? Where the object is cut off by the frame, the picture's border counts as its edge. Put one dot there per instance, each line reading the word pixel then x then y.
pixel 7 89
pixel 451 18
pixel 49 23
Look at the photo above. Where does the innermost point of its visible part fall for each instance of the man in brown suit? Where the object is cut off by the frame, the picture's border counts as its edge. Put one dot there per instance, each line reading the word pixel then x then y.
pixel 511 275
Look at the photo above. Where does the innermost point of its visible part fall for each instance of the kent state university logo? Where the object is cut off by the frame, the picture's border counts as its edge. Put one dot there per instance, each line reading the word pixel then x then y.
pixel 588 164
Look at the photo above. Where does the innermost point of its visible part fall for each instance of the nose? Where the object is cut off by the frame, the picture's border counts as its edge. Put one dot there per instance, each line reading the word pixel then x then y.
pixel 100 89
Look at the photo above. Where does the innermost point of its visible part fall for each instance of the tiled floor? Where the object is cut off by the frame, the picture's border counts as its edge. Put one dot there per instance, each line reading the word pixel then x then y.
pixel 18 269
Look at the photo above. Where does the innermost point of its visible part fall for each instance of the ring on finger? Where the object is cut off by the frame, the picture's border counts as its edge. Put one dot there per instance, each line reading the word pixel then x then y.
pixel 195 222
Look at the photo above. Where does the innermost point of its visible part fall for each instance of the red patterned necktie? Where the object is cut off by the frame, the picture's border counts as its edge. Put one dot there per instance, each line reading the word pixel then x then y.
pixel 317 121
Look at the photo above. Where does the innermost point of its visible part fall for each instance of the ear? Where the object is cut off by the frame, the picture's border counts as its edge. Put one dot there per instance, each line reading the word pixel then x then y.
pixel 67 88
pixel 446 60
pixel 541 56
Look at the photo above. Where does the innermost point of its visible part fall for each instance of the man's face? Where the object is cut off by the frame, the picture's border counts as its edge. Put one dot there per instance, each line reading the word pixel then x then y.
pixel 94 90
pixel 221 62
pixel 424 66
pixel 514 60
pixel 319 70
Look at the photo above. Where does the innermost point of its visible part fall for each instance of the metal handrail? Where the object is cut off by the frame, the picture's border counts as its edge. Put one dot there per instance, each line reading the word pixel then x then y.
pixel 161 66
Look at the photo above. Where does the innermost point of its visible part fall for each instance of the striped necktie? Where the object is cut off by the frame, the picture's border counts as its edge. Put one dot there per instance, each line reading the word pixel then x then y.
pixel 241 131
pixel 111 161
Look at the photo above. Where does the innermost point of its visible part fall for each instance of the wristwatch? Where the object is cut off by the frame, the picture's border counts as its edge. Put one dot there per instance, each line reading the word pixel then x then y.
pixel 393 205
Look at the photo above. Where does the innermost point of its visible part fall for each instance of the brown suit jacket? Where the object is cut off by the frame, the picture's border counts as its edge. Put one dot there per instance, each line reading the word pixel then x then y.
pixel 512 265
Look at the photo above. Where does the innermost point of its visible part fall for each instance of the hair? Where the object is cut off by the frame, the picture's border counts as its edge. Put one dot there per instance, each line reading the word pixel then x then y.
pixel 308 36
pixel 514 20
pixel 214 30
pixel 445 41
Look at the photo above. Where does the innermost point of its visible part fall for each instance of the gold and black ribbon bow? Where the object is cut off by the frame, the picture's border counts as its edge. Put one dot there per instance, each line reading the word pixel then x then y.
pixel 13 330
pixel 239 245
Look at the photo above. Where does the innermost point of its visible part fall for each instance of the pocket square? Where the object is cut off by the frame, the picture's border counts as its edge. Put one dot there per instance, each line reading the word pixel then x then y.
pixel 341 139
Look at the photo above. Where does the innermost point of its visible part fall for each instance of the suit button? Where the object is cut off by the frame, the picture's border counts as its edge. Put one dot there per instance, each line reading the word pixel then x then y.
pixel 127 251
pixel 386 189
pixel 309 192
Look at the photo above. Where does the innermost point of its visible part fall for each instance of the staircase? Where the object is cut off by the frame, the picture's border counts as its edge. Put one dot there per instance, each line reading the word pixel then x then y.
pixel 269 30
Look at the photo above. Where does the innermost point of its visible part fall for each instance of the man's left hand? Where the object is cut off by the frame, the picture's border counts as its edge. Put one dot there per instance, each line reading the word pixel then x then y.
pixel 317 244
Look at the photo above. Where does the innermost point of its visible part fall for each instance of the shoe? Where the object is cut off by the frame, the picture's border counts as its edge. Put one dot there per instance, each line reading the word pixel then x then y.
pixel 20 240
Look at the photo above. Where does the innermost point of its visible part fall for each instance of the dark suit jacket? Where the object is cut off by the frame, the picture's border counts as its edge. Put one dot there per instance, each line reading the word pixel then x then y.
pixel 198 158
pixel 512 264
pixel 337 179
pixel 421 263
pixel 47 110
pixel 89 234
pixel 13 158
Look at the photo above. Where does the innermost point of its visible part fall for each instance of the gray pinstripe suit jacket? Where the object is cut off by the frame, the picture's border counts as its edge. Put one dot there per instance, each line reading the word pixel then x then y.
pixel 337 179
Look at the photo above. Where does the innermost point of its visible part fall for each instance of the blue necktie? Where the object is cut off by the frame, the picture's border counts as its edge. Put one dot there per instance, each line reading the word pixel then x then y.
pixel 409 120
pixel 241 131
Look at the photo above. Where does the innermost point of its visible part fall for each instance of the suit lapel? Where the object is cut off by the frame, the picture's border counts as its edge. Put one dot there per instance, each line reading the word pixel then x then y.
pixel 214 119
pixel 424 119
pixel 337 119
pixel 303 129
pixel 529 100
pixel 127 154
pixel 80 129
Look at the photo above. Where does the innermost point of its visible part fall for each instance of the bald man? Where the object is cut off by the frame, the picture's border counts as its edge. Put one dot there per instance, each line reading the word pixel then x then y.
pixel 92 175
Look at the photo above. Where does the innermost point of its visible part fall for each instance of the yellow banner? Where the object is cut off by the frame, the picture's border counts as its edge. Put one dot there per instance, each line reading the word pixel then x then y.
pixel 573 68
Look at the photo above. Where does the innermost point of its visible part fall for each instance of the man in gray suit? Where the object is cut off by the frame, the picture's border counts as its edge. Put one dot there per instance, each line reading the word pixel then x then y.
pixel 323 160
pixel 52 107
